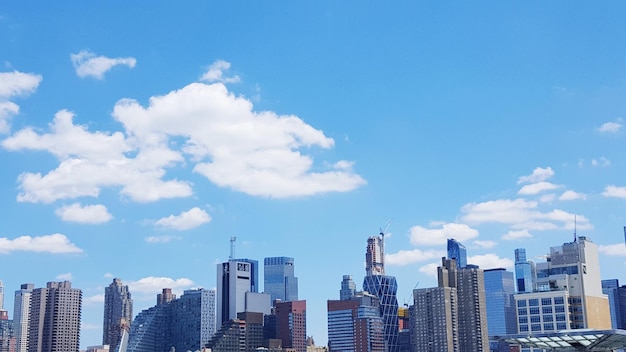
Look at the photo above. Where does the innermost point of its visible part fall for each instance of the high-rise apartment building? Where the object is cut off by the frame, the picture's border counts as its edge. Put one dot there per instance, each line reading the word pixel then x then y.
pixel 469 283
pixel 291 325
pixel 501 318
pixel 434 320
pixel 151 329
pixel 7 333
pixel 165 296
pixel 193 319
pixel 348 287
pixel 523 272
pixel 355 324
pixel 235 278
pixel 458 252
pixel 55 313
pixel 384 287
pixel 21 311
pixel 118 313
pixel 279 280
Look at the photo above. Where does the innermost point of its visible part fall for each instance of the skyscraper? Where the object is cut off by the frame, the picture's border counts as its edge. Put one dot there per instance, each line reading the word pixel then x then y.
pixel 355 324
pixel 472 313
pixel 501 318
pixel 279 280
pixel 434 320
pixel 235 278
pixel 118 313
pixel 165 296
pixel 457 252
pixel 55 318
pixel 193 319
pixel 523 272
pixel 1 295
pixel 21 309
pixel 291 325
pixel 384 287
pixel 348 287
pixel 609 288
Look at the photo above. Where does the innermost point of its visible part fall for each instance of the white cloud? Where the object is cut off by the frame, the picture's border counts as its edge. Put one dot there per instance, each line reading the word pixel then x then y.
pixel 539 174
pixel 215 73
pixel 88 64
pixel 547 198
pixel 571 195
pixel 108 276
pixel 218 133
pixel 162 239
pixel 609 127
pixel 538 187
pixel 485 244
pixel 88 214
pixel 516 235
pixel 64 277
pixel 490 261
pixel 424 236
pixel 152 284
pixel 600 162
pixel 187 220
pixel 429 269
pixel 405 257
pixel 618 249
pixel 99 298
pixel 55 243
pixel 612 191
pixel 14 84
pixel 521 214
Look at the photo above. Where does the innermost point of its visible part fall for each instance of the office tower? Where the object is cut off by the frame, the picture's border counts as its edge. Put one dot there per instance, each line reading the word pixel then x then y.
pixel 279 280
pixel 118 313
pixel 472 313
pixel 523 271
pixel 55 313
pixel 434 320
pixel 609 288
pixel 165 296
pixel 575 267
pixel 1 295
pixel 235 278
pixel 193 319
pixel 21 311
pixel 355 324
pixel 291 324
pixel 348 287
pixel 457 252
pixel 541 312
pixel 621 304
pixel 501 318
pixel 384 287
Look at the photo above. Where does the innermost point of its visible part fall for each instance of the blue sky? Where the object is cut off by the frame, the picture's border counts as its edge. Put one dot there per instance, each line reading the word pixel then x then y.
pixel 137 139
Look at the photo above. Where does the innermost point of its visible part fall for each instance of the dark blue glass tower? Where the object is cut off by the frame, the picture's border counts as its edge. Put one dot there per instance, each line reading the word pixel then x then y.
pixel 499 290
pixel 457 252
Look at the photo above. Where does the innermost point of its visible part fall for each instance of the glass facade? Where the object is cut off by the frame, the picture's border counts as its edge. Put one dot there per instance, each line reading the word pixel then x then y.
pixel 457 252
pixel 279 280
pixel 499 291
pixel 523 271
pixel 385 288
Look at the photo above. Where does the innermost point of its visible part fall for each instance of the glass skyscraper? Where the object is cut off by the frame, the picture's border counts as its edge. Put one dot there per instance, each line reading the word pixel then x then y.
pixel 523 272
pixel 499 291
pixel 457 252
pixel 384 287
pixel 279 280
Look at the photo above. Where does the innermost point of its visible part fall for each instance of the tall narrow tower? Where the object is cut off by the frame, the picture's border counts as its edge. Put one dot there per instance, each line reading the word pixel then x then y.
pixel 279 280
pixel 384 287
pixel 21 311
pixel 118 313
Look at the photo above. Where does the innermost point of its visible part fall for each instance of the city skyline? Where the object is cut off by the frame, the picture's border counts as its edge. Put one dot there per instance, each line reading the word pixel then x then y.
pixel 136 142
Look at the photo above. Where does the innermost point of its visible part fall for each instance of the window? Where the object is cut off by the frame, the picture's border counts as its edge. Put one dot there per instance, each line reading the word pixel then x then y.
pixel 548 326
pixel 521 311
pixel 560 317
pixel 561 326
pixel 546 301
pixel 546 310
pixel 535 327
pixel 534 310
pixel 558 300
pixel 548 318
pixel 523 320
pixel 533 302
pixel 521 303
pixel 559 309
pixel 535 319
pixel 523 328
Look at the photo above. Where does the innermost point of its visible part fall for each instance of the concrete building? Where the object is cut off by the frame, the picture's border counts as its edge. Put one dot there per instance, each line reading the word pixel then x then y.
pixel 279 280
pixel 118 313
pixel 434 320
pixel 193 319
pixel 235 278
pixel 21 311
pixel 55 313
pixel 469 283
pixel 7 333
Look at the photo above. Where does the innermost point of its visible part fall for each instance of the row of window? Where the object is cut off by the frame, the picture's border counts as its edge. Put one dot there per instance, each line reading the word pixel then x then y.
pixel 534 302
pixel 546 327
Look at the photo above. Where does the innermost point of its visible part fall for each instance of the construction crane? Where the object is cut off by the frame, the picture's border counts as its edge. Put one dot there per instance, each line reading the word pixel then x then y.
pixel 382 242
pixel 411 295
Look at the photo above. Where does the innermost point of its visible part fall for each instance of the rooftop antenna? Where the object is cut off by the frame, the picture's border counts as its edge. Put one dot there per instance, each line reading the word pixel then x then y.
pixel 575 228
pixel 625 235
pixel 232 247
